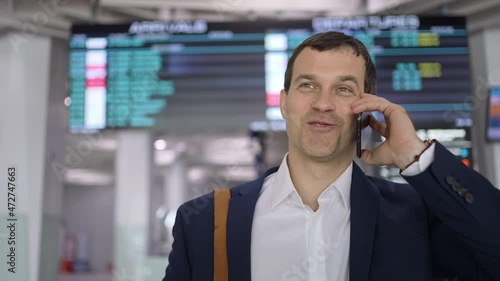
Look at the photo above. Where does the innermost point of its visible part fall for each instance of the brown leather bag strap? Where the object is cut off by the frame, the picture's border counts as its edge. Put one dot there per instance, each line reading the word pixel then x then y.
pixel 221 207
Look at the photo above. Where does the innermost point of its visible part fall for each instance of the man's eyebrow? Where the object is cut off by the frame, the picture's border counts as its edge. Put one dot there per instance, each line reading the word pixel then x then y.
pixel 305 77
pixel 351 78
pixel 342 78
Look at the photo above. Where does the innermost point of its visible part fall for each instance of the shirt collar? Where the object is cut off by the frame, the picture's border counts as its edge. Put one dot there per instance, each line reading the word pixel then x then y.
pixel 282 185
pixel 343 185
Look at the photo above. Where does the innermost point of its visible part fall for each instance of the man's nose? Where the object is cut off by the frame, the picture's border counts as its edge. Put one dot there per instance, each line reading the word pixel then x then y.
pixel 324 101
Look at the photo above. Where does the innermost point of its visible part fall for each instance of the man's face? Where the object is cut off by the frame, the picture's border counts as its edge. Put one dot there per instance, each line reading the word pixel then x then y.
pixel 317 109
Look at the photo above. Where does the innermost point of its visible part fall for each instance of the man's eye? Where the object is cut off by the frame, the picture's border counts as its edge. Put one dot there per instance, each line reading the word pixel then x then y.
pixel 344 89
pixel 307 86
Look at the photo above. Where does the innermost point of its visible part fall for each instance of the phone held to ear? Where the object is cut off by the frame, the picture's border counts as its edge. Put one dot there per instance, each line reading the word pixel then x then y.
pixel 363 132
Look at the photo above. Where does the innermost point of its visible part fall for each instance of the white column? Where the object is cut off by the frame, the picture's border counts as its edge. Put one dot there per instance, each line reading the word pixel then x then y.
pixel 24 80
pixel 175 192
pixel 53 189
pixel 175 185
pixel 485 62
pixel 133 182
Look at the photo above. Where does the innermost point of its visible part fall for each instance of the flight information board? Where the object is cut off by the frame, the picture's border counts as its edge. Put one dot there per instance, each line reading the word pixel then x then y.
pixel 422 64
pixel 158 74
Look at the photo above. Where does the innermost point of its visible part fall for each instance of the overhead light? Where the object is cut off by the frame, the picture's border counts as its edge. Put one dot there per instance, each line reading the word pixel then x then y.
pixel 88 177
pixel 160 144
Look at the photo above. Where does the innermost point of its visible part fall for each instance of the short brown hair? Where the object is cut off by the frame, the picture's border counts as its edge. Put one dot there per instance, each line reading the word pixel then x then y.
pixel 332 41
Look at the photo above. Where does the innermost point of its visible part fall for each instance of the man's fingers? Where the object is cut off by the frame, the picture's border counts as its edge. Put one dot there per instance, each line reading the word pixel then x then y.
pixel 366 156
pixel 376 157
pixel 378 126
pixel 370 158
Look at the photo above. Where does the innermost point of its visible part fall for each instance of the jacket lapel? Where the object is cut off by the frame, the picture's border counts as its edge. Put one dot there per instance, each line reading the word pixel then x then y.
pixel 239 227
pixel 364 209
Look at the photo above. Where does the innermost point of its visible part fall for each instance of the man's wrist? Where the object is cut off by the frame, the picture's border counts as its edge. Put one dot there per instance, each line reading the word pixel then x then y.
pixel 413 153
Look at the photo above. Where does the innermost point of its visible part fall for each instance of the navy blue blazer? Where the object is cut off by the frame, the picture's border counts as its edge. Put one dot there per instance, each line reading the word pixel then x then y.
pixel 445 224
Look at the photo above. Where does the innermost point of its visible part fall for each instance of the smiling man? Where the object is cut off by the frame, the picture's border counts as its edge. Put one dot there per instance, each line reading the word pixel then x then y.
pixel 319 217
pixel 320 122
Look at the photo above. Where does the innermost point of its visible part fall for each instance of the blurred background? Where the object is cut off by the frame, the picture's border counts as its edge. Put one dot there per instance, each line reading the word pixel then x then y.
pixel 115 112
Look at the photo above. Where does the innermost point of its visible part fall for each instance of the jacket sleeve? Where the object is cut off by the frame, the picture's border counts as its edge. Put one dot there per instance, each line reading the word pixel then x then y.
pixel 179 267
pixel 466 211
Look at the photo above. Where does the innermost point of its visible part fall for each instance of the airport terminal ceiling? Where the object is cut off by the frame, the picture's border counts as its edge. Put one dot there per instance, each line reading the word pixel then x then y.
pixel 55 17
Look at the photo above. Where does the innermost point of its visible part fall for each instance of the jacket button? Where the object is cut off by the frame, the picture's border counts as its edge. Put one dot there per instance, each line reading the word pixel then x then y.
pixel 457 187
pixel 463 192
pixel 450 179
pixel 469 198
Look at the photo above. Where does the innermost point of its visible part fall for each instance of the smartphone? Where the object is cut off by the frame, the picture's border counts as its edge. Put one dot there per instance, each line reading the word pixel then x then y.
pixel 363 131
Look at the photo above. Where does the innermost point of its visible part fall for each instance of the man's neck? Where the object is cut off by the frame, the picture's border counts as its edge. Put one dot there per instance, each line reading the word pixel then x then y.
pixel 310 178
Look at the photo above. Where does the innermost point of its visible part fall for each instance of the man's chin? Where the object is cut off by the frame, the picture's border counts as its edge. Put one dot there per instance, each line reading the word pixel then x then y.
pixel 321 155
pixel 327 155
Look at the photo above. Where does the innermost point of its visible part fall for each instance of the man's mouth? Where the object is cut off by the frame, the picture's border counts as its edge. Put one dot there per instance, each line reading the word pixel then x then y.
pixel 319 123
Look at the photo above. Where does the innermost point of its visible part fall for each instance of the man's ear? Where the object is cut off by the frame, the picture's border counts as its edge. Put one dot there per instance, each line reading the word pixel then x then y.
pixel 283 96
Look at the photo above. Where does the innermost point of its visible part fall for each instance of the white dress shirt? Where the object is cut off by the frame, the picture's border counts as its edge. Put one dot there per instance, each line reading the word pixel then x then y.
pixel 291 242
